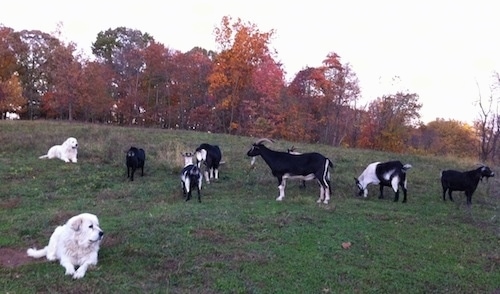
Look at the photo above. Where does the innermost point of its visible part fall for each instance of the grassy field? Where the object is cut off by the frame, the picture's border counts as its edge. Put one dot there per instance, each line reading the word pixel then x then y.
pixel 239 239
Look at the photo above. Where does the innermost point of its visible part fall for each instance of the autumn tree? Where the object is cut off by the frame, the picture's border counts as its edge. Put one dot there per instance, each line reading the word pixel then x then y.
pixel 11 98
pixel 64 76
pixel 156 83
pixel 190 86
pixel 306 96
pixel 34 73
pixel 389 120
pixel 123 49
pixel 95 102
pixel 262 109
pixel 443 137
pixel 488 123
pixel 243 47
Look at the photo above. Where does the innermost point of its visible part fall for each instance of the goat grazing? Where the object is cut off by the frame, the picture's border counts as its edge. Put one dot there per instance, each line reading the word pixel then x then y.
pixel 211 156
pixel 386 174
pixel 453 180
pixel 191 177
pixel 306 166
pixel 135 159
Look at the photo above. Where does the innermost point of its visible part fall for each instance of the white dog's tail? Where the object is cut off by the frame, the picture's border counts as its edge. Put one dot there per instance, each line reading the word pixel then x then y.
pixel 37 253
pixel 44 156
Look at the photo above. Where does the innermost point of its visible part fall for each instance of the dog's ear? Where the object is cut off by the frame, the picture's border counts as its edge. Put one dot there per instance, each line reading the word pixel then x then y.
pixel 76 223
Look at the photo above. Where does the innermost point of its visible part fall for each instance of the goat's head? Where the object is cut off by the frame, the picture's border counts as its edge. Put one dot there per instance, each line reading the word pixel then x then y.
pixel 256 147
pixel 361 190
pixel 486 172
pixel 132 152
pixel 188 158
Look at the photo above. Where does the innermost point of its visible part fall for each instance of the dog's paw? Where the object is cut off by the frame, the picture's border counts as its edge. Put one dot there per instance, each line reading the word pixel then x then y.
pixel 79 274
pixel 69 271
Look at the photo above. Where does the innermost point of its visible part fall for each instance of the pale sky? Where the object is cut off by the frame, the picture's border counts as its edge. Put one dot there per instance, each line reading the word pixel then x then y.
pixel 438 48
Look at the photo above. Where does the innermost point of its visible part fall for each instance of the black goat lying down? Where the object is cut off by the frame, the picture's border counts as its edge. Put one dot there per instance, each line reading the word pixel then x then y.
pixel 386 174
pixel 135 159
pixel 306 166
pixel 191 177
pixel 453 180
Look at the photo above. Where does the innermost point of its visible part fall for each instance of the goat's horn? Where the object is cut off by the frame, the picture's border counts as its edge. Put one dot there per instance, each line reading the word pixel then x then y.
pixel 264 140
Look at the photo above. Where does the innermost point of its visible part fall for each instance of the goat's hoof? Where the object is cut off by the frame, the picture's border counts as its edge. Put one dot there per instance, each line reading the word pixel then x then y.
pixel 325 202
pixel 279 199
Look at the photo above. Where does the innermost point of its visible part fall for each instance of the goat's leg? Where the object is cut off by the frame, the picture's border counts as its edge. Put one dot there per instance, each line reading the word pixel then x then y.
pixel 216 173
pixel 199 189
pixel 187 189
pixel 404 194
pixel 321 193
pixel 444 194
pixel 207 177
pixel 183 189
pixel 324 190
pixel 132 174
pixel 468 194
pixel 396 196
pixel 281 188
pixel 449 194
pixel 381 195
pixel 142 171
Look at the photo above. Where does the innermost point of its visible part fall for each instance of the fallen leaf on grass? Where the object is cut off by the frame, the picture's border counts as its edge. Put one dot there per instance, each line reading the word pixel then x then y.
pixel 346 245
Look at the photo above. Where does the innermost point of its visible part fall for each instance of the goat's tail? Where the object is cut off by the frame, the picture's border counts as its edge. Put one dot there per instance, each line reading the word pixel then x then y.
pixel 330 163
pixel 37 253
pixel 44 156
pixel 407 167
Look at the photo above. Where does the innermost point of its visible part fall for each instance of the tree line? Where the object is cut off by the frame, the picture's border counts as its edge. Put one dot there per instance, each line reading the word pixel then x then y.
pixel 132 79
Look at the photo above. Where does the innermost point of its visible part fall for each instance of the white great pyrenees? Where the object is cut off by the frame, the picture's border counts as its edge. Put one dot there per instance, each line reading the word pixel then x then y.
pixel 75 243
pixel 67 151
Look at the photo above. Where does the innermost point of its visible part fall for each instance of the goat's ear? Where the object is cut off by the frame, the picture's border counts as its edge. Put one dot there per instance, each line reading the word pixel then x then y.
pixel 356 179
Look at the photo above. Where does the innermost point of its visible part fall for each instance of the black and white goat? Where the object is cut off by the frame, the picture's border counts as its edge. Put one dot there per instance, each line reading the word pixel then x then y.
pixel 306 166
pixel 191 177
pixel 136 157
pixel 211 156
pixel 386 174
pixel 453 180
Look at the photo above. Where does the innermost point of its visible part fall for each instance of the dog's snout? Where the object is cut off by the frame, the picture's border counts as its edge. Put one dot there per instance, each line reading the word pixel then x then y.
pixel 101 233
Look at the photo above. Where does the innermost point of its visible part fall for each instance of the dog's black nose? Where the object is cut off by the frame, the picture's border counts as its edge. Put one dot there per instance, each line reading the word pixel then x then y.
pixel 101 233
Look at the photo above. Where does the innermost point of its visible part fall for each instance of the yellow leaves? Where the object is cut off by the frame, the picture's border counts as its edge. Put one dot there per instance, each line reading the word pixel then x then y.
pixel 14 100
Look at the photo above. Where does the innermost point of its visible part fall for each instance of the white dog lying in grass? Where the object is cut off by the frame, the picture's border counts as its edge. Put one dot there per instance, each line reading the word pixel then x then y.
pixel 75 243
pixel 67 151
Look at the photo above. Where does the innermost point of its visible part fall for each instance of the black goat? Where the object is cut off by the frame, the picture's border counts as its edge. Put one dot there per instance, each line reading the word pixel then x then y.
pixel 453 180
pixel 191 177
pixel 211 156
pixel 291 150
pixel 135 159
pixel 306 166
pixel 386 174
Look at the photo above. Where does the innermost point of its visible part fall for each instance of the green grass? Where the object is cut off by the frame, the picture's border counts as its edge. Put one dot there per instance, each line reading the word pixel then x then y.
pixel 239 239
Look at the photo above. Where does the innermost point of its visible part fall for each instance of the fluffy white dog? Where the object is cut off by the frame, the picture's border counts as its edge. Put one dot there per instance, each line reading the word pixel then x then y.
pixel 75 243
pixel 67 151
